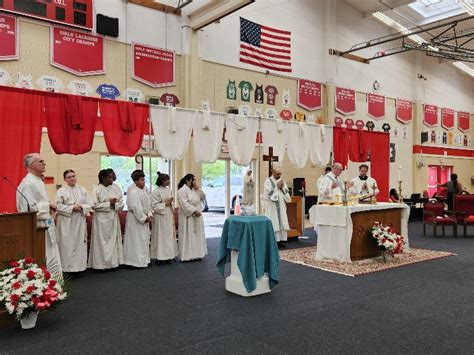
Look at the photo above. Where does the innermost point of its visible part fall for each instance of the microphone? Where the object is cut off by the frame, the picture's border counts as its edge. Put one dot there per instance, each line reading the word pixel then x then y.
pixel 21 194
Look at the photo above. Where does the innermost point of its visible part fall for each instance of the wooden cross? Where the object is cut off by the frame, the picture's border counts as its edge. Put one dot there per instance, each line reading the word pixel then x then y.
pixel 270 158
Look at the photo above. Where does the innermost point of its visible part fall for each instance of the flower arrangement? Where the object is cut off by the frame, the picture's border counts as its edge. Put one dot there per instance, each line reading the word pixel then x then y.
pixel 25 288
pixel 387 238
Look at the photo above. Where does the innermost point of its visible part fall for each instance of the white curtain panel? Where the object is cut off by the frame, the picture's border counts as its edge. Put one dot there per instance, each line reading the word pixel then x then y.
pixel 241 134
pixel 320 144
pixel 207 136
pixel 297 143
pixel 274 135
pixel 172 128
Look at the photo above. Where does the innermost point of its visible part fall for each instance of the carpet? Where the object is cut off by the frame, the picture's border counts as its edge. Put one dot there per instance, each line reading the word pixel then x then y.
pixel 307 257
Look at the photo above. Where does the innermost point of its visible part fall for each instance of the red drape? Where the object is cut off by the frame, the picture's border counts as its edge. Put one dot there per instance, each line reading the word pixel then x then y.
pixel 354 145
pixel 124 124
pixel 21 118
pixel 71 122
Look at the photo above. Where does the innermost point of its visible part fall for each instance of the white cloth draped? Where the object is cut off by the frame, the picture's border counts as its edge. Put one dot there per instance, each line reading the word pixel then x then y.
pixel 241 134
pixel 274 135
pixel 207 136
pixel 163 237
pixel 321 139
pixel 172 128
pixel 297 143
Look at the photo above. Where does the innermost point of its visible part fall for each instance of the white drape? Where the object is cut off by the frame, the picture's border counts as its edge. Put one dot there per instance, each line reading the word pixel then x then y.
pixel 320 144
pixel 241 134
pixel 274 135
pixel 297 143
pixel 172 128
pixel 207 136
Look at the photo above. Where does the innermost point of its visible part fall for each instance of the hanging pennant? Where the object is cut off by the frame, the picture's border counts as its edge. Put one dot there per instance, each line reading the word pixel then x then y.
pixel 447 118
pixel 345 101
pixel 376 106
pixel 430 117
pixel 463 121
pixel 8 37
pixel 404 110
pixel 309 95
pixel 153 66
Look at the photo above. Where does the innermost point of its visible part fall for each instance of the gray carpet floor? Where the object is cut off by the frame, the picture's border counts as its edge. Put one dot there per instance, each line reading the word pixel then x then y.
pixel 184 308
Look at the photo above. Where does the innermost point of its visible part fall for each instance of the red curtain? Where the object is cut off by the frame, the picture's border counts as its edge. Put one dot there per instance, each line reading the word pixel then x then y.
pixel 71 122
pixel 21 118
pixel 341 145
pixel 124 124
pixel 379 144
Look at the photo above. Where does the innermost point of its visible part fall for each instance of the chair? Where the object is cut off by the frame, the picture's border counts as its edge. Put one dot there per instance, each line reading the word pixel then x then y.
pixel 464 210
pixel 435 215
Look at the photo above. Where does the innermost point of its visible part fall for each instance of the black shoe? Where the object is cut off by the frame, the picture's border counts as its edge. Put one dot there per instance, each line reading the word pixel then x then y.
pixel 281 245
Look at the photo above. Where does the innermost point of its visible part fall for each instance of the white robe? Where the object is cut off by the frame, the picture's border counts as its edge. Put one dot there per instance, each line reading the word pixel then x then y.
pixel 35 192
pixel 326 193
pixel 359 189
pixel 106 240
pixel 72 227
pixel 163 236
pixel 191 238
pixel 136 243
pixel 275 207
pixel 249 191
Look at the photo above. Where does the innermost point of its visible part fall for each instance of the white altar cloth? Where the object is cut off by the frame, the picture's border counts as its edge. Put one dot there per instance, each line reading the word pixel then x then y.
pixel 334 227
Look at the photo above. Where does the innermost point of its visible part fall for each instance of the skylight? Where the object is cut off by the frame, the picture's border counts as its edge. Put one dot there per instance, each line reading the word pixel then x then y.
pixel 440 9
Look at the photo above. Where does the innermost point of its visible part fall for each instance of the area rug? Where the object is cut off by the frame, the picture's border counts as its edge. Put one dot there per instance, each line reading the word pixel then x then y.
pixel 307 257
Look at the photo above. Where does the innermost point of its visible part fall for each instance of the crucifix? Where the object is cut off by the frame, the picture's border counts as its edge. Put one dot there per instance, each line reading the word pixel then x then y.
pixel 270 158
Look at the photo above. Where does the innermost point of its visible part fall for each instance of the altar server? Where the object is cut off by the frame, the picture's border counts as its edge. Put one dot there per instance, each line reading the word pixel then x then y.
pixel 275 196
pixel 106 241
pixel 136 244
pixel 363 184
pixel 32 196
pixel 331 188
pixel 192 241
pixel 163 237
pixel 73 205
pixel 320 179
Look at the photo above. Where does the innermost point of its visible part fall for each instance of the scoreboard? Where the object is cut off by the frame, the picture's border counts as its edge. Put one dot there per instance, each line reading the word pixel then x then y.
pixel 77 13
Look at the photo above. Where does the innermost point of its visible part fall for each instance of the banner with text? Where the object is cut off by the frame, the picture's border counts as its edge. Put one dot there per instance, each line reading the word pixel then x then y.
pixel 430 116
pixel 152 66
pixel 345 101
pixel 309 94
pixel 8 37
pixel 404 110
pixel 463 121
pixel 447 118
pixel 77 52
pixel 376 106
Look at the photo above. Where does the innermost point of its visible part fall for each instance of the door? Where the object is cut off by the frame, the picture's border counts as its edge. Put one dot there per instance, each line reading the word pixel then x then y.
pixel 437 174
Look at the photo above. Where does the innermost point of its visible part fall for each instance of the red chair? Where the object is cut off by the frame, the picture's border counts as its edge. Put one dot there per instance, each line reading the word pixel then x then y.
pixel 464 209
pixel 435 215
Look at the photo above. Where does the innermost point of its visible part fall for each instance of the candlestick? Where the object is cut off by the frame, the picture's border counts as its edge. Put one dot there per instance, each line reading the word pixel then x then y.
pixel 400 197
pixel 345 193
pixel 400 173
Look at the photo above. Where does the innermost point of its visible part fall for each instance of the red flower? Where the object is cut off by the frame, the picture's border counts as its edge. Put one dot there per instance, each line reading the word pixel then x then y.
pixel 28 260
pixel 35 300
pixel 16 285
pixel 17 270
pixel 31 274
pixel 52 283
pixel 46 274
pixel 30 289
pixel 14 263
pixel 14 298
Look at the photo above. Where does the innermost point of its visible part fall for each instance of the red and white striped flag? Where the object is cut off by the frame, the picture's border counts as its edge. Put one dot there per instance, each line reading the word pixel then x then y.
pixel 264 46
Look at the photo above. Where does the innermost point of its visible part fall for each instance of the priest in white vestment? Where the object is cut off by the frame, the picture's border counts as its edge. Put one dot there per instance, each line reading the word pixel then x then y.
pixel 33 197
pixel 331 188
pixel 192 241
pixel 164 246
pixel 73 205
pixel 363 184
pixel 321 178
pixel 275 196
pixel 106 240
pixel 136 244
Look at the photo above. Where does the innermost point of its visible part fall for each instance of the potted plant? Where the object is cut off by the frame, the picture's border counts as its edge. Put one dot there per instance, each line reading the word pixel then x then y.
pixel 388 240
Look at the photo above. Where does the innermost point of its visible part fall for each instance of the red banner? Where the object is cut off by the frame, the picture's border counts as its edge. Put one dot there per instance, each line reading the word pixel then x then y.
pixel 447 118
pixel 404 110
pixel 376 106
pixel 8 37
pixel 309 94
pixel 345 101
pixel 77 52
pixel 153 66
pixel 463 121
pixel 430 115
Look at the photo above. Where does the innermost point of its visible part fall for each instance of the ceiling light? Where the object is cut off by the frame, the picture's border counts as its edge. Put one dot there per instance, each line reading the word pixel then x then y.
pixel 384 18
pixel 464 68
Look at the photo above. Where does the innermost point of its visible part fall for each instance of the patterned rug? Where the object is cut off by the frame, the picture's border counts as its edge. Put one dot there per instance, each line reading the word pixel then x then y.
pixel 307 257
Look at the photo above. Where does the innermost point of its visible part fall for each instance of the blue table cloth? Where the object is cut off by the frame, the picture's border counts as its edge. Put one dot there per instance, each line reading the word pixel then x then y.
pixel 253 237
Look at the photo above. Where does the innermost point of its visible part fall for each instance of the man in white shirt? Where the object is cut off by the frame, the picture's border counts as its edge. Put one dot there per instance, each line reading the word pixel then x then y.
pixel 362 184
pixel 331 188
pixel 320 179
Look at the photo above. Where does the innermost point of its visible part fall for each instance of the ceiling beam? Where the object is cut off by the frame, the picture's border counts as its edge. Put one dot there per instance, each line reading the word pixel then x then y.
pixel 156 6
pixel 214 11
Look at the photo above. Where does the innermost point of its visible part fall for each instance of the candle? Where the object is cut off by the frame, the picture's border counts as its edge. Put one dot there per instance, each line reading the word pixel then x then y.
pixel 400 173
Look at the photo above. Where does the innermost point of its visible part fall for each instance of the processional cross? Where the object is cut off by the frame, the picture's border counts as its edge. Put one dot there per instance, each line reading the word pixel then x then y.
pixel 270 158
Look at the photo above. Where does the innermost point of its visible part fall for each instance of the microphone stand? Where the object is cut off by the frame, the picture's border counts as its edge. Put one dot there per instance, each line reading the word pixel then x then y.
pixel 16 189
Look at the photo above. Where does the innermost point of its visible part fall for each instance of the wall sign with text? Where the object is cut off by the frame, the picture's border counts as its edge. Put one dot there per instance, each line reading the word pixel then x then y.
pixel 447 118
pixel 8 37
pixel 309 94
pixel 152 66
pixel 463 121
pixel 345 101
pixel 404 110
pixel 430 115
pixel 376 106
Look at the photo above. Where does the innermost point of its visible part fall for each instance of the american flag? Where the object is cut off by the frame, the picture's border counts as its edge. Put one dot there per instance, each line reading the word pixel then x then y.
pixel 264 46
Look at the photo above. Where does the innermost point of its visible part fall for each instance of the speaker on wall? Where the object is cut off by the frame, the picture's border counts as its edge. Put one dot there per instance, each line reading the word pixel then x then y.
pixel 107 26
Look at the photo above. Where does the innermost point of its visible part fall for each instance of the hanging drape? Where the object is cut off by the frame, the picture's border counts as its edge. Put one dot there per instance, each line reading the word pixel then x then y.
pixel 172 128
pixel 379 145
pixel 297 143
pixel 320 144
pixel 21 119
pixel 71 122
pixel 123 124
pixel 241 134
pixel 274 135
pixel 207 136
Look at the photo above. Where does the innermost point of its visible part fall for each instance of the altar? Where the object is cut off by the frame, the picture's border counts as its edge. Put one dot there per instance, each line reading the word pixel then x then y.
pixel 344 231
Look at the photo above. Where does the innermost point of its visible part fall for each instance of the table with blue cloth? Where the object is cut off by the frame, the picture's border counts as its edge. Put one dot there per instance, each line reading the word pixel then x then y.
pixel 254 240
